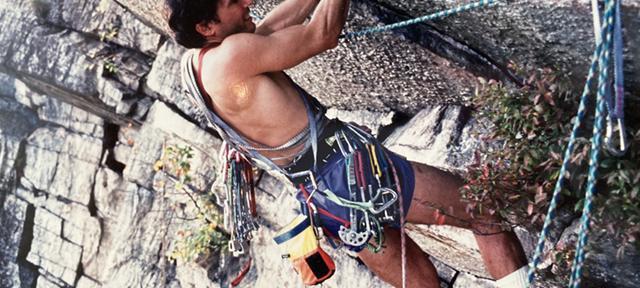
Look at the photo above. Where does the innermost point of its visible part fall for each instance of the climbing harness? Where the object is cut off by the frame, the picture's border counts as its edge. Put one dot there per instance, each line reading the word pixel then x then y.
pixel 600 60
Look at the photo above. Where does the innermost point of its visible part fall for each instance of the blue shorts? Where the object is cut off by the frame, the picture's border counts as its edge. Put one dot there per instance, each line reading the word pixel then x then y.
pixel 332 176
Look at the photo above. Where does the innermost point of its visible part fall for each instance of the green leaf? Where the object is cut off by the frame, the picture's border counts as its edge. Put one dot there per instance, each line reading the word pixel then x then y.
pixel 579 205
pixel 608 163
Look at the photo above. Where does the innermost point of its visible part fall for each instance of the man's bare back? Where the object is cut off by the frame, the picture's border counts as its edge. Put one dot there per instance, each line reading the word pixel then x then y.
pixel 266 108
pixel 252 94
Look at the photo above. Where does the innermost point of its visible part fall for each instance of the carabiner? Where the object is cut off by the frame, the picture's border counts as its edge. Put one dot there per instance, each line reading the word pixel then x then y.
pixel 608 139
pixel 385 206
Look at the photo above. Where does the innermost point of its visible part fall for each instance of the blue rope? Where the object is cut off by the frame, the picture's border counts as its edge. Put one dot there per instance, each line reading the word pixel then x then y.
pixel 441 14
pixel 410 22
pixel 595 147
pixel 551 213
pixel 601 56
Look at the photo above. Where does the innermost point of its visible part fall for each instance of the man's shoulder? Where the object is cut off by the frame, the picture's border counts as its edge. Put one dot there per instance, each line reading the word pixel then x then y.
pixel 237 43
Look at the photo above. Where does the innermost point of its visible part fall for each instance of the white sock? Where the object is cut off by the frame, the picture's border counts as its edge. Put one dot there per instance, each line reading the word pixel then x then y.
pixel 517 279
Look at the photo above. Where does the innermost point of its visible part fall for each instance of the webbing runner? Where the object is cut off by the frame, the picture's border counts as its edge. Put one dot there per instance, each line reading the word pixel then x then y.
pixel 615 106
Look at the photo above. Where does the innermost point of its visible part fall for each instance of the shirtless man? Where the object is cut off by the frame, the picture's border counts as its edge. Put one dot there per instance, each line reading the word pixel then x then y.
pixel 239 70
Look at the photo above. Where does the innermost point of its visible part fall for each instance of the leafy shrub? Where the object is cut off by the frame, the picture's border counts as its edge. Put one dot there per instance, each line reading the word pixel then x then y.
pixel 518 163
pixel 207 236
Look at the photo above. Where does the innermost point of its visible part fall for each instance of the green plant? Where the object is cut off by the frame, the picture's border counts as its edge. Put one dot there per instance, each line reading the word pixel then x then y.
pixel 207 236
pixel 108 34
pixel 516 169
pixel 201 241
pixel 619 211
pixel 524 150
pixel 110 66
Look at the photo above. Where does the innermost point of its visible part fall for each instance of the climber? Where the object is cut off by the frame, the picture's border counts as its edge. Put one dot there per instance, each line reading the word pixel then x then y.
pixel 236 70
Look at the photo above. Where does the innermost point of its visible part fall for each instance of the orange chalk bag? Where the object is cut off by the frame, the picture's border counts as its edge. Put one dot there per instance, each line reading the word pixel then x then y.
pixel 300 245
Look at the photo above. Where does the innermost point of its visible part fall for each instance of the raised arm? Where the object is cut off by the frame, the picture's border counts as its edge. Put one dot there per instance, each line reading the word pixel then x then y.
pixel 247 54
pixel 287 13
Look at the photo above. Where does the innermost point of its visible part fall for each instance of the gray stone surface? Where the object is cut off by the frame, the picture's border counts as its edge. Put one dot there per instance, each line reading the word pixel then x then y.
pixel 176 131
pixel 50 151
pixel 71 65
pixel 137 210
pixel 465 280
pixel 165 84
pixel 46 282
pixel 445 272
pixel 537 33
pixel 53 254
pixel 17 122
pixel 70 117
pixel 12 219
pixel 601 269
pixel 85 282
pixel 453 246
pixel 82 206
pixel 102 18
pixel 432 137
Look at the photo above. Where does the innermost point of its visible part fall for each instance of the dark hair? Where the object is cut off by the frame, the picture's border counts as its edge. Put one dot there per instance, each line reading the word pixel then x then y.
pixel 185 14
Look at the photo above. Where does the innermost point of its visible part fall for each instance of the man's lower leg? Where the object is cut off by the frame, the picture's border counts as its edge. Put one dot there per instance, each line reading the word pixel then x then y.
pixel 437 193
pixel 387 263
pixel 501 253
pixel 503 256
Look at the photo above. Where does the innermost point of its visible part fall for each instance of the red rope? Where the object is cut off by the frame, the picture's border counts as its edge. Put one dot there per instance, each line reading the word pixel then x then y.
pixel 241 274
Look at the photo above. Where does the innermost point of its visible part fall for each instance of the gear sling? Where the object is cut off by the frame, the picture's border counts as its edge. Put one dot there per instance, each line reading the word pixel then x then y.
pixel 362 165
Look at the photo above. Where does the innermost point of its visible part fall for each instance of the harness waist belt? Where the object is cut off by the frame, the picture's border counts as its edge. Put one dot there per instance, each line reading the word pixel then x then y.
pixel 326 148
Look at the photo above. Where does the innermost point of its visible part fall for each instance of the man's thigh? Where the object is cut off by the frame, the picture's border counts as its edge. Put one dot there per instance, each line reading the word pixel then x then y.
pixel 436 198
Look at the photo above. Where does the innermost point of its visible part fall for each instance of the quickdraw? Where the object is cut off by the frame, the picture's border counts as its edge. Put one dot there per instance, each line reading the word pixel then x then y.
pixel 239 204
pixel 616 109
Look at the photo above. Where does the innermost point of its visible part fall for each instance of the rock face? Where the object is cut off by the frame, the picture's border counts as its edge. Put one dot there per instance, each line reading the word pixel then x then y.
pixel 387 72
pixel 89 96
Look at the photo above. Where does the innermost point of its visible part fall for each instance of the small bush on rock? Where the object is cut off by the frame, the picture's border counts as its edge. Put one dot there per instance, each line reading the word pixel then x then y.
pixel 517 166
pixel 206 237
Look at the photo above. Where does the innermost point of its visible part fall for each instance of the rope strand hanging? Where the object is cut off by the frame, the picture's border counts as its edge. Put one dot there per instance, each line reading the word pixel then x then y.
pixel 417 20
pixel 600 60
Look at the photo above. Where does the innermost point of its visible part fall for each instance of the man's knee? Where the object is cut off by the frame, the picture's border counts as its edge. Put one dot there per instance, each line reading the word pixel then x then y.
pixel 391 247
pixel 436 174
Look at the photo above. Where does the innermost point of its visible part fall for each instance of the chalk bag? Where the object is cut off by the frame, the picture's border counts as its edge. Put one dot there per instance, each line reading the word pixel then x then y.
pixel 299 243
